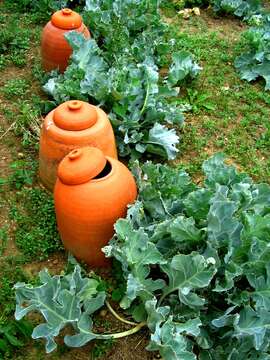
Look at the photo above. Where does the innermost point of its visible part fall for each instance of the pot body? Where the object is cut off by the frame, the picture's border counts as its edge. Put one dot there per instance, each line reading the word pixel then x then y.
pixel 86 213
pixel 55 50
pixel 56 143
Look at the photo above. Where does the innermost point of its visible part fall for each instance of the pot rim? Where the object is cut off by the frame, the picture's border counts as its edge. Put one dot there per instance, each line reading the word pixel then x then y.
pixel 108 175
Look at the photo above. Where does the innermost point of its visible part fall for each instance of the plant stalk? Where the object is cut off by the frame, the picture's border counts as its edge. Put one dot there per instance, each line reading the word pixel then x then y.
pixel 118 317
pixel 121 334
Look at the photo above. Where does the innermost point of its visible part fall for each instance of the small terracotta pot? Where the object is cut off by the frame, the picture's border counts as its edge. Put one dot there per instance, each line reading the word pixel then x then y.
pixel 71 125
pixel 92 191
pixel 55 50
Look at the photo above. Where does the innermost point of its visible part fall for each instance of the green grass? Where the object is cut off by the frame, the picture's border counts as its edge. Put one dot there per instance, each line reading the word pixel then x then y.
pixel 237 120
pixel 36 232
pixel 16 38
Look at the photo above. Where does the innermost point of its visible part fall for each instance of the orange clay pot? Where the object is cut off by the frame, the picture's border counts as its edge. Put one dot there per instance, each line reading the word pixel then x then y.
pixel 55 50
pixel 71 125
pixel 92 191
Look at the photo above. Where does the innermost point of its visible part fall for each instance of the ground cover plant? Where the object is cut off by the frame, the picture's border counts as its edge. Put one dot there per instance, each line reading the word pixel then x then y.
pixel 120 70
pixel 196 262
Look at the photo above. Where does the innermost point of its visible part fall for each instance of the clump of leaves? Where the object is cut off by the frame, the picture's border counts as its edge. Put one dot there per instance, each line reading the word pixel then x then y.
pixel 122 75
pixel 196 264
pixel 13 335
pixel 36 232
pixel 11 273
pixel 240 8
pixel 23 174
pixel 256 62
pixel 67 299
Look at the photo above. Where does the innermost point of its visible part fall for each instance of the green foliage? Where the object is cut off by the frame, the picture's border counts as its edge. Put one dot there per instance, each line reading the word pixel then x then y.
pixel 41 9
pixel 241 8
pixel 13 335
pixel 23 174
pixel 11 273
pixel 36 232
pixel 14 43
pixel 101 348
pixel 122 74
pixel 15 88
pixel 256 62
pixel 196 261
pixel 199 101
pixel 3 239
pixel 196 264
pixel 69 299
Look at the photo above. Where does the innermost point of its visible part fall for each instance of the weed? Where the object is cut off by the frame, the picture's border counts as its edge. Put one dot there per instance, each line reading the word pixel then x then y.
pixel 36 232
pixel 14 42
pixel 3 239
pixel 11 273
pixel 27 124
pixel 15 88
pixel 199 101
pixel 23 173
pixel 101 348
pixel 13 335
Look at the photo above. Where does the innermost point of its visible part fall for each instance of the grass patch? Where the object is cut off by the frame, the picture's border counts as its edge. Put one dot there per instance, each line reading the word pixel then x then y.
pixel 36 232
pixel 237 120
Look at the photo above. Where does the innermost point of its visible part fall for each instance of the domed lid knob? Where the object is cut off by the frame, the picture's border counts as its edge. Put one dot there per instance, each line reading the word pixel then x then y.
pixel 81 165
pixel 75 115
pixel 66 19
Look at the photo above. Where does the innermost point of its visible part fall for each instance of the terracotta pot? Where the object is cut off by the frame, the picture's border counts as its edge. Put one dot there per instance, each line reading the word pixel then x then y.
pixel 92 191
pixel 71 125
pixel 55 50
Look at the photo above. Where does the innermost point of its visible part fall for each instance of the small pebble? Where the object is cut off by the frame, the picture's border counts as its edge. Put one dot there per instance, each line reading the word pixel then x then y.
pixel 55 262
pixel 103 313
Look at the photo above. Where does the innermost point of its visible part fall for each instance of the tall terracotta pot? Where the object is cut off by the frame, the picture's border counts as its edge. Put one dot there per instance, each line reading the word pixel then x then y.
pixel 71 125
pixel 92 191
pixel 55 50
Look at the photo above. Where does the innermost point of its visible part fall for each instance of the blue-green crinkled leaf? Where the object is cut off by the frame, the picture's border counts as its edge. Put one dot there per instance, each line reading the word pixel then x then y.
pixel 86 50
pixel 223 227
pixel 261 286
pixel 169 339
pixel 197 204
pixel 182 67
pixel 167 139
pixel 217 172
pixel 187 273
pixel 62 300
pixel 253 324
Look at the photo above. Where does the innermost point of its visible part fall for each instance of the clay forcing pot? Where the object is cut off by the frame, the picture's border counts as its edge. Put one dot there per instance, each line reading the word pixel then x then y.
pixel 92 191
pixel 71 125
pixel 55 50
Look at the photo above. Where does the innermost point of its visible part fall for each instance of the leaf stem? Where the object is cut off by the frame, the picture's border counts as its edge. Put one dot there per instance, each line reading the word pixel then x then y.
pixel 146 98
pixel 164 295
pixel 118 317
pixel 121 334
pixel 129 332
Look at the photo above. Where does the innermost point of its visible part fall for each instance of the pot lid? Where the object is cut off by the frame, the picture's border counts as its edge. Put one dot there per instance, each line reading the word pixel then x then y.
pixel 75 115
pixel 81 165
pixel 66 19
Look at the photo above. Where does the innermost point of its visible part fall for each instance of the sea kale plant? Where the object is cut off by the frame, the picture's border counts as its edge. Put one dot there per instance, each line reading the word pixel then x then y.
pixel 120 70
pixel 256 62
pixel 196 263
pixel 240 8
